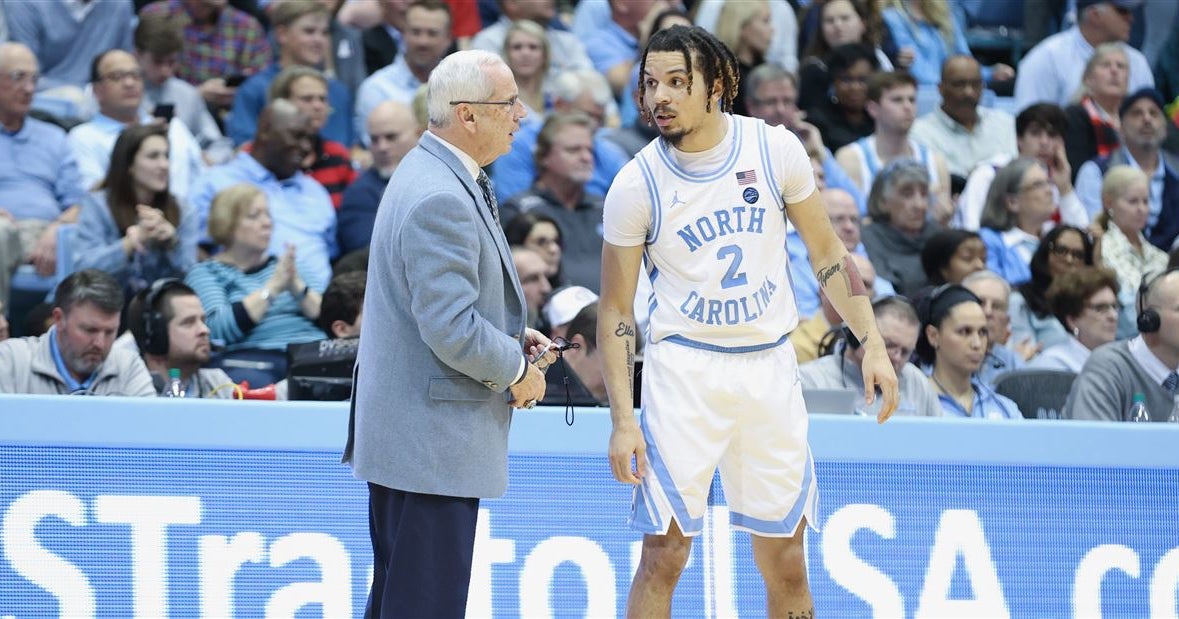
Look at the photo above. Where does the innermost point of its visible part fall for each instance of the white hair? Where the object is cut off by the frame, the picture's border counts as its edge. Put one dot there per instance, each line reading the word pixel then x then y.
pixel 461 76
pixel 983 275
pixel 571 85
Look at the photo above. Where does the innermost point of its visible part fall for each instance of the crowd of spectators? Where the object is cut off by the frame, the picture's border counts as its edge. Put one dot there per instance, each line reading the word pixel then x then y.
pixel 204 173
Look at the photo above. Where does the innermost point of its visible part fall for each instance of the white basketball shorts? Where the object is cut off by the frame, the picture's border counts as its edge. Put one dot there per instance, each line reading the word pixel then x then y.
pixel 743 412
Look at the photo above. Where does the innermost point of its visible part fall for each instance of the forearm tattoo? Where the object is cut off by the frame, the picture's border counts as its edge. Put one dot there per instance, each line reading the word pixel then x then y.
pixel 630 369
pixel 626 330
pixel 849 273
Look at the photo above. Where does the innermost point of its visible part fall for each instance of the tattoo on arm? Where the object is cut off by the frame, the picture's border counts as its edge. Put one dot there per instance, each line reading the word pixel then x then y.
pixel 624 330
pixel 850 275
pixel 630 369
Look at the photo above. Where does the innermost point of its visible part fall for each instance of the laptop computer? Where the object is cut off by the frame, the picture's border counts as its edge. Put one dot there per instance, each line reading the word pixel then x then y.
pixel 831 401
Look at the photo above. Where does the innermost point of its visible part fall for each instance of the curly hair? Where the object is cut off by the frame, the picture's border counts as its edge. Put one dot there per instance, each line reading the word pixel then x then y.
pixel 1068 294
pixel 714 59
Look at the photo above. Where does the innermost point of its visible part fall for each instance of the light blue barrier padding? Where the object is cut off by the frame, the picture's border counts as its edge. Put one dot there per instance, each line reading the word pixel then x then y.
pixel 322 426
pixel 123 508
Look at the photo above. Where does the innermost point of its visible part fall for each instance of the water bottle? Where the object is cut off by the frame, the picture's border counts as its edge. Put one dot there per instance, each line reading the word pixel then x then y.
pixel 174 389
pixel 1138 410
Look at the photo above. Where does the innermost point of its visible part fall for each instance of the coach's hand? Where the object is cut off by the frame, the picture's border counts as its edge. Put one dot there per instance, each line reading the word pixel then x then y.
pixel 530 390
pixel 879 372
pixel 626 441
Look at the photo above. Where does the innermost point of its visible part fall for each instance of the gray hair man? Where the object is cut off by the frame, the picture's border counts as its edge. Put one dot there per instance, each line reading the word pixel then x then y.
pixel 898 325
pixel 576 91
pixel 452 349
pixel 994 292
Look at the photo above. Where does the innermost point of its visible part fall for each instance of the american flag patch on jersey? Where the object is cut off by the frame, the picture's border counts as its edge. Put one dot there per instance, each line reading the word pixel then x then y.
pixel 748 177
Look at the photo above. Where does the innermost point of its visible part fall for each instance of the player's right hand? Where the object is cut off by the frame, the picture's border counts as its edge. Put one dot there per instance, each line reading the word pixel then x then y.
pixel 626 441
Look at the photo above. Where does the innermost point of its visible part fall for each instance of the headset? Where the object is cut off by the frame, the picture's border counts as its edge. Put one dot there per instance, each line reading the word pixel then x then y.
pixel 1149 320
pixel 155 326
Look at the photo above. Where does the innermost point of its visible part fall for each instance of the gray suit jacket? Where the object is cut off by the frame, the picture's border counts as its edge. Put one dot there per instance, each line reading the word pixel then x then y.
pixel 444 322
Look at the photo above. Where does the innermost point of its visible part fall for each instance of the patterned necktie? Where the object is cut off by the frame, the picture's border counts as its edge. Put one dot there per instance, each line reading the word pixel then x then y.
pixel 489 195
pixel 1171 383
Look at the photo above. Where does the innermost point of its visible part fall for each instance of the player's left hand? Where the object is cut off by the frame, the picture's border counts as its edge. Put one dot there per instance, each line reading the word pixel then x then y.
pixel 878 372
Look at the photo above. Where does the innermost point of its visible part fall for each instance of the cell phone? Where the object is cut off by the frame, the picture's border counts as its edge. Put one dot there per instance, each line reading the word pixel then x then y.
pixel 558 345
pixel 233 81
pixel 164 111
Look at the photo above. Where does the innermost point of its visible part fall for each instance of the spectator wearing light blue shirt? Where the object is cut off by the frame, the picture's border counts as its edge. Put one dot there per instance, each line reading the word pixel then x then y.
pixel 580 91
pixel 301 29
pixel 132 227
pixel 44 190
pixel 301 207
pixel 117 82
pixel 614 48
pixel 65 35
pixel 1051 72
pixel 1019 204
pixel 929 30
pixel 1144 129
pixel 427 41
pixel 953 342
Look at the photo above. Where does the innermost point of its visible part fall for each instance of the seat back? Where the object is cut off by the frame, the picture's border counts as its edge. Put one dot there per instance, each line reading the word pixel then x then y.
pixel 1040 394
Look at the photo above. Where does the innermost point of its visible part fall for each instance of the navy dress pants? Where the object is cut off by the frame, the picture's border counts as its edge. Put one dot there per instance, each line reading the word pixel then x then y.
pixel 422 548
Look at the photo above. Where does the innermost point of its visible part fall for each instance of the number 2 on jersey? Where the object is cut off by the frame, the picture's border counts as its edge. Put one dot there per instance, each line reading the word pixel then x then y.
pixel 732 278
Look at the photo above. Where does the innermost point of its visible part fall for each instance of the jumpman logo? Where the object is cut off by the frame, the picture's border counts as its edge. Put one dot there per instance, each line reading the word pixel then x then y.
pixel 675 199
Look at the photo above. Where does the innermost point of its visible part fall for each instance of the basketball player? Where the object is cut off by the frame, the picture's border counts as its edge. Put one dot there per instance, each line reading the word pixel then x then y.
pixel 701 211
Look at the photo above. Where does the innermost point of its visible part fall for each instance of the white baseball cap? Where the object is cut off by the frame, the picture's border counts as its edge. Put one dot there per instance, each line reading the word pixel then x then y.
pixel 565 303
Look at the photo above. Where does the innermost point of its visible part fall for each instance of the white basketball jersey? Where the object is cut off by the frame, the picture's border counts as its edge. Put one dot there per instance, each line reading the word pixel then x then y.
pixel 716 236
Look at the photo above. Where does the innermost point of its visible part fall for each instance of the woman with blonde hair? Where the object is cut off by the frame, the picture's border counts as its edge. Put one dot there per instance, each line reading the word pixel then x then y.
pixel 926 34
pixel 527 53
pixel 1121 244
pixel 745 28
pixel 256 302
pixel 1093 121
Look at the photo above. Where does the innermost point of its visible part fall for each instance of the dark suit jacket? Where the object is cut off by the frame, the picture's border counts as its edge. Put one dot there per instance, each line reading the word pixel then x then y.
pixel 379 48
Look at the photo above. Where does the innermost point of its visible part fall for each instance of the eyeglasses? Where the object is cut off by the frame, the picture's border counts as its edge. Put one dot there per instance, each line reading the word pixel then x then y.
pixel 1066 252
pixel 118 76
pixel 1036 184
pixel 22 77
pixel 508 103
pixel 1103 308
